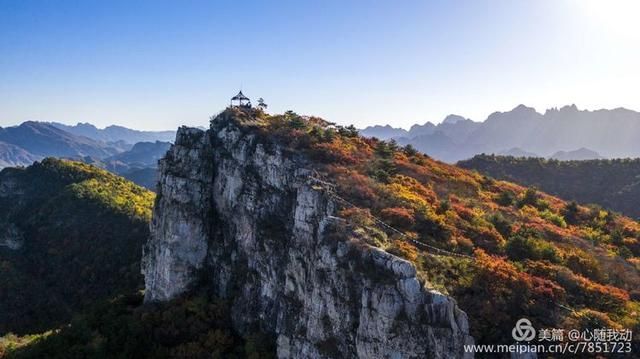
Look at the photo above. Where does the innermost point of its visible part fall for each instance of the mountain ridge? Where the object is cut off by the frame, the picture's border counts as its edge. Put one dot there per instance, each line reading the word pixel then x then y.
pixel 115 133
pixel 610 133
pixel 41 139
pixel 31 141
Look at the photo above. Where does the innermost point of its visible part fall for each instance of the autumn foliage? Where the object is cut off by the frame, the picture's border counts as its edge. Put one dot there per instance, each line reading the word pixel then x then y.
pixel 535 254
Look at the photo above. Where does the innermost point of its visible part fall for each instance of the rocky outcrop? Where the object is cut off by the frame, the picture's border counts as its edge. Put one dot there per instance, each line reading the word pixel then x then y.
pixel 236 212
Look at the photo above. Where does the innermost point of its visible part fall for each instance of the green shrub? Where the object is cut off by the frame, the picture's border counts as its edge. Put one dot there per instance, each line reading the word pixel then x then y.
pixel 530 197
pixel 506 198
pixel 520 248
pixel 554 218
pixel 585 264
pixel 571 212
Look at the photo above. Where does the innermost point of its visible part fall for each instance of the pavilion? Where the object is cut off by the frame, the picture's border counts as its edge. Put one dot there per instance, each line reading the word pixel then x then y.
pixel 240 100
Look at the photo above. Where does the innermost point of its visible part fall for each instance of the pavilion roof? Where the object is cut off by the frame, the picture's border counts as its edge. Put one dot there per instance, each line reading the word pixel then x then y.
pixel 239 96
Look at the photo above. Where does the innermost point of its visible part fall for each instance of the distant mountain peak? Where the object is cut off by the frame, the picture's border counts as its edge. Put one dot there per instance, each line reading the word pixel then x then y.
pixel 580 154
pixel 451 119
pixel 115 133
pixel 517 152
pixel 86 125
pixel 572 108
pixel 523 108
pixel 383 132
pixel 43 139
pixel 427 124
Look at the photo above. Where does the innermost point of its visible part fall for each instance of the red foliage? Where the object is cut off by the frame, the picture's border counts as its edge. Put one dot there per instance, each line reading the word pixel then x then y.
pixel 487 238
pixel 500 294
pixel 501 272
pixel 333 152
pixel 604 297
pixel 398 216
pixel 581 290
pixel 355 186
pixel 465 213
pixel 356 216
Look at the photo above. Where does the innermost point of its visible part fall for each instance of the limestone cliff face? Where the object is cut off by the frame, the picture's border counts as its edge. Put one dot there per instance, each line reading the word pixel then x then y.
pixel 236 212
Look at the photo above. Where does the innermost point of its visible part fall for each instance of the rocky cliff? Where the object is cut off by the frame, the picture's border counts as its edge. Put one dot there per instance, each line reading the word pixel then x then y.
pixel 235 212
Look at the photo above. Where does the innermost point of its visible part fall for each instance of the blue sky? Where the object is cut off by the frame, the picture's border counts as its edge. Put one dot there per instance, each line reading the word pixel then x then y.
pixel 160 64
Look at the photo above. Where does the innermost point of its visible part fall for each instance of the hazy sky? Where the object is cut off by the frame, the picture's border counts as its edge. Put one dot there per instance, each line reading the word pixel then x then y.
pixel 159 64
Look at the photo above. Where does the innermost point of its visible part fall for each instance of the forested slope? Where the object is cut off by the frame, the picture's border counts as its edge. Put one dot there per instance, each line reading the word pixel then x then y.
pixel 72 235
pixel 614 184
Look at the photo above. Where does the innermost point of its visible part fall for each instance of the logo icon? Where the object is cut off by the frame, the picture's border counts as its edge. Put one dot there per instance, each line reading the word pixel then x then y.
pixel 523 331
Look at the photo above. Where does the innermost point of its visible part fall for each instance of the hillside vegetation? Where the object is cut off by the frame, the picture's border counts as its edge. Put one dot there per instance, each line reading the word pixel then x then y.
pixel 614 184
pixel 72 235
pixel 72 288
pixel 534 255
pixel 197 326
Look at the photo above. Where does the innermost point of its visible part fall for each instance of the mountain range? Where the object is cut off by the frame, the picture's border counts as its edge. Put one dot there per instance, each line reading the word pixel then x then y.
pixel 116 133
pixel 42 140
pixel 139 164
pixel 14 156
pixel 130 153
pixel 566 133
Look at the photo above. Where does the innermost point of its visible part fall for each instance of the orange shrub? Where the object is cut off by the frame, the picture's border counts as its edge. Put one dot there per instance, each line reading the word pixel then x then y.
pixel 398 216
pixel 596 295
pixel 357 187
pixel 357 216
pixel 403 249
pixel 465 213
pixel 487 238
pixel 333 152
pixel 499 294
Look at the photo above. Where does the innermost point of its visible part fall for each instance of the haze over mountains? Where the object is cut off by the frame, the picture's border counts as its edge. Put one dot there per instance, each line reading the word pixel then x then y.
pixel 116 133
pixel 130 153
pixel 42 140
pixel 566 133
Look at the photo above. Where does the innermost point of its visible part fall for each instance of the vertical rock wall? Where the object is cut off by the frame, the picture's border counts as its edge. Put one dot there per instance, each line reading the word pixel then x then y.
pixel 235 212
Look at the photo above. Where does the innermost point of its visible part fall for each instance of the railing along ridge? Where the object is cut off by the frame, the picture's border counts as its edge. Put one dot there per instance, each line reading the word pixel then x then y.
pixel 329 188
